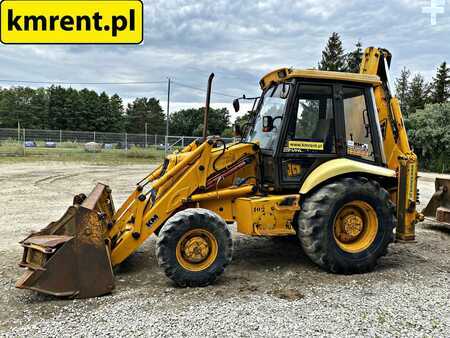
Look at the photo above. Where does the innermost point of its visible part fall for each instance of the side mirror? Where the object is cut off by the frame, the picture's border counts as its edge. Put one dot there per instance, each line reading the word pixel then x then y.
pixel 236 105
pixel 237 130
pixel 267 124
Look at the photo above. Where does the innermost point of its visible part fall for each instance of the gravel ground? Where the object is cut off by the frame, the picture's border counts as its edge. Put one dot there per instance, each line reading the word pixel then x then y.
pixel 271 288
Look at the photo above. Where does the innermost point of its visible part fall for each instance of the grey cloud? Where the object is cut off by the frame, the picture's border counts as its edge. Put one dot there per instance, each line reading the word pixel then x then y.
pixel 238 40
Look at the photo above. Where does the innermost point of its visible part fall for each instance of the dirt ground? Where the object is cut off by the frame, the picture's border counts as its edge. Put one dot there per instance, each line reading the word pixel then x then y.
pixel 34 194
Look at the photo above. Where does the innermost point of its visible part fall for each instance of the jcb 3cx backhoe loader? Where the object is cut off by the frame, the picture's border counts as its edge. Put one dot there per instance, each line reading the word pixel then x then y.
pixel 324 157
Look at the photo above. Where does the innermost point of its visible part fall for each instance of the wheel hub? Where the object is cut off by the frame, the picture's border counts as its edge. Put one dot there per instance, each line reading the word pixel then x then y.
pixel 196 249
pixel 353 225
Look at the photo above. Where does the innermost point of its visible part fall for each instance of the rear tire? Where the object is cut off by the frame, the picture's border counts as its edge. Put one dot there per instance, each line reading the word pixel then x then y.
pixel 194 247
pixel 347 225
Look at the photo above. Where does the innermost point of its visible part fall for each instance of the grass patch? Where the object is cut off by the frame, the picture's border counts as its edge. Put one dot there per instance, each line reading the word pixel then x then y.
pixel 11 148
pixel 144 153
pixel 78 154
pixel 69 145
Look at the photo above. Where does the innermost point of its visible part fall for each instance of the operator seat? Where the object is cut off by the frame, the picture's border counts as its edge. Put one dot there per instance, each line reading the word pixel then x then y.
pixel 322 134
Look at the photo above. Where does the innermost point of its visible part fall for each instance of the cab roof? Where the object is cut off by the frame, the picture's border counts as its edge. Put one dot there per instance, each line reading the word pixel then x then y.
pixel 283 74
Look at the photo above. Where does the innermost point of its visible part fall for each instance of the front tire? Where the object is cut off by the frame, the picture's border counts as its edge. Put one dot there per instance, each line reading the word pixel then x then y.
pixel 347 225
pixel 194 247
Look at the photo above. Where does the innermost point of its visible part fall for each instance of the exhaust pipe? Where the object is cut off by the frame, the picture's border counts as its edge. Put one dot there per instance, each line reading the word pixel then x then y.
pixel 208 102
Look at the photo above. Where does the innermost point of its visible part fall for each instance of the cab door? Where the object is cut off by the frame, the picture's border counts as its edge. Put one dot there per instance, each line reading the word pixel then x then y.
pixel 309 135
pixel 362 137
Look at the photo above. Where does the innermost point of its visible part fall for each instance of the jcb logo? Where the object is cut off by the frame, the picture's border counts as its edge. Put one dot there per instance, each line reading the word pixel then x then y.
pixel 71 22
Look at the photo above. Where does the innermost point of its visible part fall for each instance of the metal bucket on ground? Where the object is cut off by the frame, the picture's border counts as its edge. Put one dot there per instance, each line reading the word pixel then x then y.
pixel 71 257
pixel 438 209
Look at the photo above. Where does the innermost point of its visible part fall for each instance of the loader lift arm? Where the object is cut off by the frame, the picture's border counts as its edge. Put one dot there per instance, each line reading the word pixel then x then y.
pixel 144 212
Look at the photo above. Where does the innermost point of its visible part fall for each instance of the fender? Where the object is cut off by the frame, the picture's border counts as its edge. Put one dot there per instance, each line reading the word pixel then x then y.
pixel 340 167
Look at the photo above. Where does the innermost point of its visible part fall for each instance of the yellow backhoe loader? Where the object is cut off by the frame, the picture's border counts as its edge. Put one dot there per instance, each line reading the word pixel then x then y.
pixel 324 157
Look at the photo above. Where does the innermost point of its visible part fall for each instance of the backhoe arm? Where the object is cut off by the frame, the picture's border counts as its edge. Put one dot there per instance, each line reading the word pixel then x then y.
pixel 397 151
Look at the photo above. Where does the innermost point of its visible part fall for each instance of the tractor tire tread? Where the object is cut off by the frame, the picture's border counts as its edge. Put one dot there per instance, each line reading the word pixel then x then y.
pixel 174 228
pixel 314 221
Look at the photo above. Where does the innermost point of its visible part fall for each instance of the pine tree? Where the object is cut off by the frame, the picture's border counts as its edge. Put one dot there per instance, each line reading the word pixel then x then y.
pixel 418 94
pixel 354 58
pixel 39 104
pixel 71 112
pixel 402 88
pixel 90 116
pixel 117 113
pixel 441 84
pixel 333 57
pixel 142 111
pixel 189 122
pixel 56 110
pixel 104 121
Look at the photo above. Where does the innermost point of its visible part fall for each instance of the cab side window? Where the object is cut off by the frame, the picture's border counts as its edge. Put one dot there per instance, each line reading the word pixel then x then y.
pixel 357 126
pixel 313 127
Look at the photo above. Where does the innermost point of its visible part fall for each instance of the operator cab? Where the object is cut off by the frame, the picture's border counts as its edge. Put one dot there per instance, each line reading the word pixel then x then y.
pixel 302 122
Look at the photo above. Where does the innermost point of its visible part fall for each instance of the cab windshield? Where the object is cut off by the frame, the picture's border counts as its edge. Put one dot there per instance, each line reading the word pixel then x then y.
pixel 273 103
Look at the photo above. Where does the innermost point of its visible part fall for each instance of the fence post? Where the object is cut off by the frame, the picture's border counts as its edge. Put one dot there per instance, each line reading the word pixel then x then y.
pixel 166 145
pixel 145 134
pixel 60 136
pixel 182 141
pixel 94 136
pixel 156 140
pixel 23 143
pixel 126 142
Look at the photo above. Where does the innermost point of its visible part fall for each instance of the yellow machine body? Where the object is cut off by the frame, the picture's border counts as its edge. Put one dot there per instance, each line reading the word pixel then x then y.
pixel 266 216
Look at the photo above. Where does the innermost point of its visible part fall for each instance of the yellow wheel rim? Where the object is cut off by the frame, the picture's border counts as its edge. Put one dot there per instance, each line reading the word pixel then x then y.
pixel 196 250
pixel 355 227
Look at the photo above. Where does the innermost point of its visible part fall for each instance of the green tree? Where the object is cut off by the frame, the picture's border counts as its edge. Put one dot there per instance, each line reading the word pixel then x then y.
pixel 189 122
pixel 145 110
pixel 27 105
pixel 241 120
pixel 71 109
pixel 57 116
pixel 116 114
pixel 40 104
pixel 87 109
pixel 354 58
pixel 103 121
pixel 430 136
pixel 418 94
pixel 402 87
pixel 440 91
pixel 333 56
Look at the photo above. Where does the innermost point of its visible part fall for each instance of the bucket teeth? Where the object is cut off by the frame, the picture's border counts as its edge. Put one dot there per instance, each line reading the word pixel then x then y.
pixel 70 257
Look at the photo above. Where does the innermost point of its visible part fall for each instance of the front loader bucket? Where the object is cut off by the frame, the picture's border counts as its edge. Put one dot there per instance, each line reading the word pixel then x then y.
pixel 438 209
pixel 71 257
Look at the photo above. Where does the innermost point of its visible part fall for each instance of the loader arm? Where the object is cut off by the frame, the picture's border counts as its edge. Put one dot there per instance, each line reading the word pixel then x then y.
pixel 188 178
pixel 397 152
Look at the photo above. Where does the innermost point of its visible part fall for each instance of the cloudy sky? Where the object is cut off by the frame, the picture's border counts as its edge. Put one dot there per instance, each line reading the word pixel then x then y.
pixel 237 40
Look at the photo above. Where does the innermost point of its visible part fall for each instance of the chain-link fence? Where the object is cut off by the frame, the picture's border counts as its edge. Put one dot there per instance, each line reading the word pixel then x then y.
pixel 68 138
